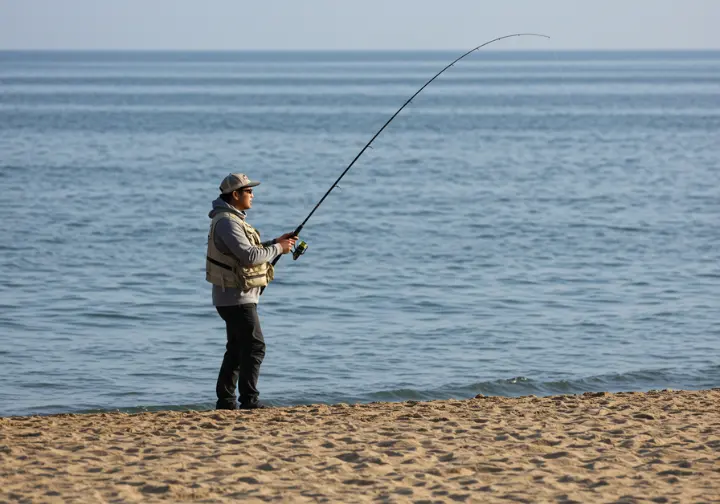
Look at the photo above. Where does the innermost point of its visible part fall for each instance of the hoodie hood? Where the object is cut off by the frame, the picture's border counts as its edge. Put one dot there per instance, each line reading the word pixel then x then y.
pixel 219 206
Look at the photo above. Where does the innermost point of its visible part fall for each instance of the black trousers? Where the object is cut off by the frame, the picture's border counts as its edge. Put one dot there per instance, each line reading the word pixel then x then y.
pixel 244 353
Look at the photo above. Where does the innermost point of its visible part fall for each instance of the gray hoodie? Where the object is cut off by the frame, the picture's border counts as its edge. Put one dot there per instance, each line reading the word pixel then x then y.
pixel 231 239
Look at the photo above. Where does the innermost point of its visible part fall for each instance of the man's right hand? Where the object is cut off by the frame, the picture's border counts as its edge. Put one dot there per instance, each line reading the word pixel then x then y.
pixel 287 243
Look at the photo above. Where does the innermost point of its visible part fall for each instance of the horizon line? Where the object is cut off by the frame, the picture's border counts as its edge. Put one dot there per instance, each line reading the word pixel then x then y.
pixel 167 50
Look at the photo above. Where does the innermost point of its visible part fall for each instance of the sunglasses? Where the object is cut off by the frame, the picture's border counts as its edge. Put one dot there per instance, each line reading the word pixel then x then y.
pixel 248 191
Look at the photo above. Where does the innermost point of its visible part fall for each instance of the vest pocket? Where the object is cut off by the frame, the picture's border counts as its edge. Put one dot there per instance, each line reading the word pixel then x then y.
pixel 257 276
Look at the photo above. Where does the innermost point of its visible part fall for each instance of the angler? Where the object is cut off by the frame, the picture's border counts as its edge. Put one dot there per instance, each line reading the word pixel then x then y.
pixel 240 266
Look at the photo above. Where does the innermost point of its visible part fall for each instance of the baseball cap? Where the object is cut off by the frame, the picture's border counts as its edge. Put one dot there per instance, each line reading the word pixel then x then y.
pixel 235 181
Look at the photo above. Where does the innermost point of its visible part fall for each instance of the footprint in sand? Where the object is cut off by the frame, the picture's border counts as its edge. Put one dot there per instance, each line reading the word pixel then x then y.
pixel 155 489
pixel 556 455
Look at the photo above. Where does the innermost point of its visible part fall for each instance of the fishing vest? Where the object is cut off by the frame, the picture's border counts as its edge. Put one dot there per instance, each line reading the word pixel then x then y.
pixel 224 270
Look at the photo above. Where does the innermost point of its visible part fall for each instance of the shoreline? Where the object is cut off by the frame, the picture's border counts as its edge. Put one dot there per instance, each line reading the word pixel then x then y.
pixel 661 446
pixel 286 403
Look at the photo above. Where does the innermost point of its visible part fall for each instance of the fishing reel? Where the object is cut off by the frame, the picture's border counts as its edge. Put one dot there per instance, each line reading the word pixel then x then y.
pixel 300 249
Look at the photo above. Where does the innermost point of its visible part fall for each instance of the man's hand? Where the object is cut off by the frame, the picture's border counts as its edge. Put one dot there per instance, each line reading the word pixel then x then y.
pixel 287 242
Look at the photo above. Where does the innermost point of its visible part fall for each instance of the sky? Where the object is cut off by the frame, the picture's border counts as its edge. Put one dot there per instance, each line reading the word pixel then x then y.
pixel 357 24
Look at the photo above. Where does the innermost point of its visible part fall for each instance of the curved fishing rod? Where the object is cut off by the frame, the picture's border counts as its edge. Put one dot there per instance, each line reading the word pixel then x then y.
pixel 300 250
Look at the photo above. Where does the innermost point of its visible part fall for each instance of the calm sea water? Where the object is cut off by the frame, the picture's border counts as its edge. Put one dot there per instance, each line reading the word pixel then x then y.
pixel 534 223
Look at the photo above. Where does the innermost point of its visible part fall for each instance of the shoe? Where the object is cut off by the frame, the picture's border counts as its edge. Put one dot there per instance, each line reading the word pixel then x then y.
pixel 225 406
pixel 253 405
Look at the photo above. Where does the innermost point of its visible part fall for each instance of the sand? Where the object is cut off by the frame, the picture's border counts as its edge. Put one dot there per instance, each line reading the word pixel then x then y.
pixel 596 447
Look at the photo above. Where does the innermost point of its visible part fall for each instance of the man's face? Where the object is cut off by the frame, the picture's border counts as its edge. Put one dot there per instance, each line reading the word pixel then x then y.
pixel 242 198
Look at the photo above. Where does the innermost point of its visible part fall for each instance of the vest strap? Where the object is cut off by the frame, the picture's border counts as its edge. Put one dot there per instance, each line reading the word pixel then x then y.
pixel 218 263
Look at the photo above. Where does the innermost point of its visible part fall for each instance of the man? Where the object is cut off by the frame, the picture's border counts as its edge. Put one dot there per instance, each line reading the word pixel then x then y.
pixel 238 266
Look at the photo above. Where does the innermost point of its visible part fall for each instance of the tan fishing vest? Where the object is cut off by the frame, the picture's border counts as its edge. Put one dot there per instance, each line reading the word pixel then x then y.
pixel 224 270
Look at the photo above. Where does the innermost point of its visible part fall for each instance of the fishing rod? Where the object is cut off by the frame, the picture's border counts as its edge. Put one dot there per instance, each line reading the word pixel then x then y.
pixel 301 247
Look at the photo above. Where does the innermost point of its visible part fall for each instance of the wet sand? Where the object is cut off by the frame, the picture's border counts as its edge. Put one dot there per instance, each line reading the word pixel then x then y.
pixel 596 447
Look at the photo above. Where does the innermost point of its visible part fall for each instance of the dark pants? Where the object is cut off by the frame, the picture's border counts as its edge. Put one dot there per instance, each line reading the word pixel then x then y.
pixel 244 353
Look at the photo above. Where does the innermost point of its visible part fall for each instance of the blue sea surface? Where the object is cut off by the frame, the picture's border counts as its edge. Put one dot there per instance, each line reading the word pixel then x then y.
pixel 534 222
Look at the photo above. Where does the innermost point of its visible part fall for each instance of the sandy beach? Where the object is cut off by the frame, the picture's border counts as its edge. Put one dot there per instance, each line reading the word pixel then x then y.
pixel 596 447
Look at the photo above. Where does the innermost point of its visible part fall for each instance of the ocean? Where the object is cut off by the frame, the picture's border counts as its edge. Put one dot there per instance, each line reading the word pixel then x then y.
pixel 534 222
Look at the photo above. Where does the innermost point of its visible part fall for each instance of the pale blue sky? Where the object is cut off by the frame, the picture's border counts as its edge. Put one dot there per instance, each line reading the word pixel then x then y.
pixel 357 24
